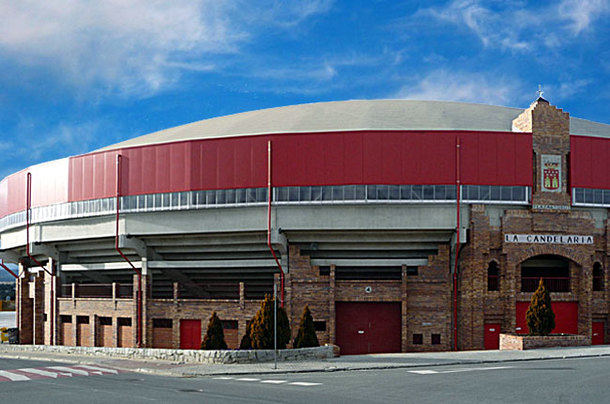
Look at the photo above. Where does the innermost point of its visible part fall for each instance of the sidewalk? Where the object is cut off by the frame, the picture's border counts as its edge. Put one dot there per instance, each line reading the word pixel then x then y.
pixel 345 363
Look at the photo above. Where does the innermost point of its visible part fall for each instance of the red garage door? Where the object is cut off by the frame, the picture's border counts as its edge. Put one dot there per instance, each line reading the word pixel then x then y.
pixel 190 334
pixel 363 328
pixel 492 336
pixel 566 317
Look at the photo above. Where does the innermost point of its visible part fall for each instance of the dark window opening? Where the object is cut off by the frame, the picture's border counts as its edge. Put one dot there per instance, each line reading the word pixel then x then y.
pixel 493 276
pixel 319 325
pixel 44 317
pixel 324 270
pixel 162 323
pixel 65 319
pixel 368 273
pixel 229 324
pixel 105 320
pixel 412 271
pixel 436 339
pixel 598 277
pixel 553 270
pixel 82 320
pixel 124 321
pixel 418 339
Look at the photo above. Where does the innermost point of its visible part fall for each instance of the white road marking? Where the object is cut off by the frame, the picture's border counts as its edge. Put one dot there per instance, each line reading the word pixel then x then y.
pixel 13 376
pixel 99 369
pixel 40 372
pixel 474 369
pixel 248 379
pixel 274 381
pixel 223 378
pixel 70 370
pixel 304 384
pixel 434 372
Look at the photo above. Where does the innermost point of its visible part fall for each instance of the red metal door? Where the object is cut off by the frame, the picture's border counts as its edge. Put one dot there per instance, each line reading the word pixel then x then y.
pixel 363 328
pixel 597 337
pixel 492 336
pixel 566 317
pixel 190 334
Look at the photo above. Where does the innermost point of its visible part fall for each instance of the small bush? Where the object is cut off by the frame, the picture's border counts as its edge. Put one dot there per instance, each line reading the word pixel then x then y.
pixel 261 333
pixel 214 336
pixel 539 316
pixel 246 341
pixel 306 336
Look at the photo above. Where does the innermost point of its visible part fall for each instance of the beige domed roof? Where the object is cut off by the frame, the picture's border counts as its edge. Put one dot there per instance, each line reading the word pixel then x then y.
pixel 354 115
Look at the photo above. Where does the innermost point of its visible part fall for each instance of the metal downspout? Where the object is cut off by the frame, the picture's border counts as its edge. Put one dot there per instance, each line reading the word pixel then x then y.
pixel 28 207
pixel 457 249
pixel 118 249
pixel 269 197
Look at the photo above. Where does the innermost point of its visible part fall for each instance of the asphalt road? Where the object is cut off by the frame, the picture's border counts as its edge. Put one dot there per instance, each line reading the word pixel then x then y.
pixel 567 380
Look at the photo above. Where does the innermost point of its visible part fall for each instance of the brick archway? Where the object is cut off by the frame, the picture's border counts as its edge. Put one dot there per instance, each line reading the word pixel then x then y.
pixel 579 258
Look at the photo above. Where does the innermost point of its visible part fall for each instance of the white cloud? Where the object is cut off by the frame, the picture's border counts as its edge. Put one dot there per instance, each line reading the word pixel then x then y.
pixel 466 87
pixel 135 46
pixel 581 13
pixel 518 26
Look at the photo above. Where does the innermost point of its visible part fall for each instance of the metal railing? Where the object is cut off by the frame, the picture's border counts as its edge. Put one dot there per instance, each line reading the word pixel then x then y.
pixel 552 283
pixel 97 290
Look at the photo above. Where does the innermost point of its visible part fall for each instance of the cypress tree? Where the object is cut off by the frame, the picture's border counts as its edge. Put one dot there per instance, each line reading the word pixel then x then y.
pixel 214 336
pixel 261 333
pixel 539 316
pixel 246 341
pixel 306 336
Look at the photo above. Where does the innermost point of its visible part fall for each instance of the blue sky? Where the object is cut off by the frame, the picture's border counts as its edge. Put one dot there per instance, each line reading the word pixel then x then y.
pixel 79 74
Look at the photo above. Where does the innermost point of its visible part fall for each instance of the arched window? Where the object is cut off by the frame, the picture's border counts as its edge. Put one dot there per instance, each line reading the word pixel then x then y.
pixel 493 276
pixel 552 269
pixel 598 277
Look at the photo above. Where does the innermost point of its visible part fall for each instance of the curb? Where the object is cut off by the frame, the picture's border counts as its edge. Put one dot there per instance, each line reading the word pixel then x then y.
pixel 170 373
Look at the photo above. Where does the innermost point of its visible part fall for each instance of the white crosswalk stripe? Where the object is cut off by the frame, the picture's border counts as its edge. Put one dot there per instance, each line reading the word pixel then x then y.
pixel 274 381
pixel 13 376
pixel 70 370
pixel 247 379
pixel 40 372
pixel 307 384
pixel 223 378
pixel 99 369
pixel 423 372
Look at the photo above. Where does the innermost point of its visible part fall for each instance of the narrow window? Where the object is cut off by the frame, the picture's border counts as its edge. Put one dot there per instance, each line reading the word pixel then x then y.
pixel 418 339
pixel 493 279
pixel 436 339
pixel 598 277
pixel 229 324
pixel 319 325
pixel 162 323
pixel 105 320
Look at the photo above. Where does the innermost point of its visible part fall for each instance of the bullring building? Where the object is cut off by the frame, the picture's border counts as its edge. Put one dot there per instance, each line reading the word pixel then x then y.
pixel 404 225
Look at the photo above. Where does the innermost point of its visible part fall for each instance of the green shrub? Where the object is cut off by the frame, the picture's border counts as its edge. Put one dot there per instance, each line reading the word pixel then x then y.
pixel 539 316
pixel 261 333
pixel 246 341
pixel 214 336
pixel 306 336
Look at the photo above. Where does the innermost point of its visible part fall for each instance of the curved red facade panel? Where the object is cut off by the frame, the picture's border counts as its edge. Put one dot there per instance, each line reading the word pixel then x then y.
pixel 590 162
pixel 337 158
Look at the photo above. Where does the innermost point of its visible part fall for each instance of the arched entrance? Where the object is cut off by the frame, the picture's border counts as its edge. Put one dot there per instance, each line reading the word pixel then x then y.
pixel 556 273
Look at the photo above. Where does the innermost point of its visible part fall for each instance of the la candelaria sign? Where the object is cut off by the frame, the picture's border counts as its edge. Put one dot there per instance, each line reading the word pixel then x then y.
pixel 547 239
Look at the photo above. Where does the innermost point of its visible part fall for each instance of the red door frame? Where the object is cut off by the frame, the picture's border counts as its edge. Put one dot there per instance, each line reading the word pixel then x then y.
pixel 597 333
pixel 492 335
pixel 190 334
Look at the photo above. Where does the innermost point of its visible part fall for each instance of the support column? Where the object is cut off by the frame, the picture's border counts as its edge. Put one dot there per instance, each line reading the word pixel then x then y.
pixel 25 313
pixel 403 311
pixel 331 307
pixel 39 309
